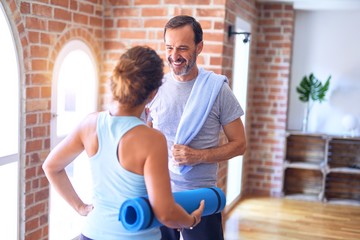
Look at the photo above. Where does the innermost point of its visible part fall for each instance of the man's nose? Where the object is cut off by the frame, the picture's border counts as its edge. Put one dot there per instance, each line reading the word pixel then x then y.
pixel 174 54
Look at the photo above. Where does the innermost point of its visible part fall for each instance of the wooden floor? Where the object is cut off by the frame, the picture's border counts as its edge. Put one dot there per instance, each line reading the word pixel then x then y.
pixel 288 219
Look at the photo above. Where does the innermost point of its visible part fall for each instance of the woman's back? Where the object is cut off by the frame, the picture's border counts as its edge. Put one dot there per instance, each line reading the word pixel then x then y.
pixel 112 183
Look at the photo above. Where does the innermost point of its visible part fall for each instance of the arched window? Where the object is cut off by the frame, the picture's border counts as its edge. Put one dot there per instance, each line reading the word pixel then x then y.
pixel 9 130
pixel 74 95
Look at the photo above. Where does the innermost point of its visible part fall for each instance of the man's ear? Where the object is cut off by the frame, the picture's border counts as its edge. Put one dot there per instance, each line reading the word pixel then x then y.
pixel 199 47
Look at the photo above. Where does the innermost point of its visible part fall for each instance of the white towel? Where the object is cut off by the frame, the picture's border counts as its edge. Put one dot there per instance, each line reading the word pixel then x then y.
pixel 202 97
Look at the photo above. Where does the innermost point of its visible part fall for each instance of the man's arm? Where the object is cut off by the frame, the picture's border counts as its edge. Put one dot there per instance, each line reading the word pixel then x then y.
pixel 236 145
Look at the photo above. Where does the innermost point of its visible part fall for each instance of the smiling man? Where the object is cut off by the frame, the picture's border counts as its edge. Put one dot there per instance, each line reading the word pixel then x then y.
pixel 191 108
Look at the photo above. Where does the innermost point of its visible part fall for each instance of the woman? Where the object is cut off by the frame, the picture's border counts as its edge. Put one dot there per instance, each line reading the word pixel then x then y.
pixel 127 158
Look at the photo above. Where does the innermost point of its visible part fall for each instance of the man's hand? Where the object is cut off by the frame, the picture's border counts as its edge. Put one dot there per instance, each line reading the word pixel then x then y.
pixel 184 155
pixel 85 209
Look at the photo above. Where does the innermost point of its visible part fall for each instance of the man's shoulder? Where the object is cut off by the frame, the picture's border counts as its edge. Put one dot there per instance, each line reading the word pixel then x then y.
pixel 213 75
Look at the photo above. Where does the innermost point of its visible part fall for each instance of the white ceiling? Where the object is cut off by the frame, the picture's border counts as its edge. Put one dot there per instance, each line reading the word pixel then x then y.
pixel 321 4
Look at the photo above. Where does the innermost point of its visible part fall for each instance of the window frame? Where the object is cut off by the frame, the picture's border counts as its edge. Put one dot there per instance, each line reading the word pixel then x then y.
pixel 16 157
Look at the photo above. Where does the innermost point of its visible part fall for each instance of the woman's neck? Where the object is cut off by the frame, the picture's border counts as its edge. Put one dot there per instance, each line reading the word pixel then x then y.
pixel 118 109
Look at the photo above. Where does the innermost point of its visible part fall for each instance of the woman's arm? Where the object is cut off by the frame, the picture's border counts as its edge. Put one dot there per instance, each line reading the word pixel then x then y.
pixel 54 167
pixel 157 181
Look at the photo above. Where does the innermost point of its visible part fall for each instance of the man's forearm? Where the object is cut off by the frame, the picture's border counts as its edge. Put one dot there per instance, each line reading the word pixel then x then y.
pixel 223 152
pixel 184 155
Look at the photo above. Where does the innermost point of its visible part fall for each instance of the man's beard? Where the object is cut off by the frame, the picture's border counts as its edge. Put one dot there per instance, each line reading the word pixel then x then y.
pixel 185 69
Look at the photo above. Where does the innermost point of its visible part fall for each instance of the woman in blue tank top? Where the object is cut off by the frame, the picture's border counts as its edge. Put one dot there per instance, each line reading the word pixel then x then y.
pixel 127 158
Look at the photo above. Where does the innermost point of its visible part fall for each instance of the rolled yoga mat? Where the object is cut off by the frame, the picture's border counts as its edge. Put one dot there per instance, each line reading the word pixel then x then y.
pixel 136 213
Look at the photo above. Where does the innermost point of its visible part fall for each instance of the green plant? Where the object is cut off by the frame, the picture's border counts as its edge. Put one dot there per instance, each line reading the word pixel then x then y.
pixel 312 88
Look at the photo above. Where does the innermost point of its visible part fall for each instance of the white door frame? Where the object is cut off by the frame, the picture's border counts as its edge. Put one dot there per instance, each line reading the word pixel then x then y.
pixel 239 87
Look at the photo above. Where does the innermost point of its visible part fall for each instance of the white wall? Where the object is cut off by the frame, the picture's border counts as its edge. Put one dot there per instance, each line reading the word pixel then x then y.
pixel 327 42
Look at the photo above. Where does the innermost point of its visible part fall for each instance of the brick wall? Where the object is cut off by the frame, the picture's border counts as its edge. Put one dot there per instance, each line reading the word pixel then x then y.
pixel 42 27
pixel 129 23
pixel 268 99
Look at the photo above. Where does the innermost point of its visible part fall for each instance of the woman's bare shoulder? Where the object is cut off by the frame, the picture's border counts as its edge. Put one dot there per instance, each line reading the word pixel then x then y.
pixel 149 134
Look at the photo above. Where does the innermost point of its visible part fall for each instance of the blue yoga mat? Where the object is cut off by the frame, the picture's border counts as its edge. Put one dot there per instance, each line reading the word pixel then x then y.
pixel 136 213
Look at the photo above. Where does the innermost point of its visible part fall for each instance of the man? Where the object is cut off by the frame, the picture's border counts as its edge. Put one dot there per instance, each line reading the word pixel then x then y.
pixel 193 160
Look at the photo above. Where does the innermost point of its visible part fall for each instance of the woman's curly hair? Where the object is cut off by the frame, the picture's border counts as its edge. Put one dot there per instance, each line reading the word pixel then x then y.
pixel 138 73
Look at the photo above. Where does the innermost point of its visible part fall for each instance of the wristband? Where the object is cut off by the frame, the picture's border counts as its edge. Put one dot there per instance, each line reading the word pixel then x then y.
pixel 194 224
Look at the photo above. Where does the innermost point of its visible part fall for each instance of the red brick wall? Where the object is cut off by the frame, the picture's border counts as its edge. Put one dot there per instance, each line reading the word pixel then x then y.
pixel 268 98
pixel 129 23
pixel 42 27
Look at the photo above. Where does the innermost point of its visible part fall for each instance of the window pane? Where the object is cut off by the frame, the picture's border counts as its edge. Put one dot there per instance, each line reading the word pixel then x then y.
pixel 8 206
pixel 9 124
pixel 9 85
pixel 76 90
pixel 65 222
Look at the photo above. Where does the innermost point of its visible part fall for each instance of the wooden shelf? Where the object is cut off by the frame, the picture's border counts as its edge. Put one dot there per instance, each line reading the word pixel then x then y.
pixel 344 202
pixel 322 167
pixel 342 185
pixel 303 181
pixel 301 165
pixel 306 149
pixel 306 197
pixel 344 170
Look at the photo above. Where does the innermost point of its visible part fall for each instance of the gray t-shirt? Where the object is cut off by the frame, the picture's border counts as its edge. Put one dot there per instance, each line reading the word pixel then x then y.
pixel 165 112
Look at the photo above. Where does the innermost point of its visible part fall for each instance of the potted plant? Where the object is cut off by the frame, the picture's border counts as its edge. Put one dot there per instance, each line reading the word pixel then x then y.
pixel 311 90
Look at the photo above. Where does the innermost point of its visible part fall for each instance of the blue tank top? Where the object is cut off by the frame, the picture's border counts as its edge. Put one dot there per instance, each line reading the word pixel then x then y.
pixel 112 184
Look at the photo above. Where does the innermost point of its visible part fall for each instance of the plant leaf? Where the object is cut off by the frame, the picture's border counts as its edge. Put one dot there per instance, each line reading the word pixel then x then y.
pixel 312 88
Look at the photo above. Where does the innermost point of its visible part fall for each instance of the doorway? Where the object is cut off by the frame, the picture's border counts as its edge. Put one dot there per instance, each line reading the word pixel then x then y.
pixel 239 87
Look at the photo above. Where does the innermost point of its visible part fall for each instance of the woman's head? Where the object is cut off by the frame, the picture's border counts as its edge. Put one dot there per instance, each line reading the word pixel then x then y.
pixel 137 74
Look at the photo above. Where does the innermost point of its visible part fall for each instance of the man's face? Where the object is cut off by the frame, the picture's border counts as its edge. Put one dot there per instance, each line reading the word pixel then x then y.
pixel 181 51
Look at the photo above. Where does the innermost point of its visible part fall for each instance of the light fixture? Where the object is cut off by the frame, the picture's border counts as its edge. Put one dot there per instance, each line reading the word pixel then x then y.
pixel 246 34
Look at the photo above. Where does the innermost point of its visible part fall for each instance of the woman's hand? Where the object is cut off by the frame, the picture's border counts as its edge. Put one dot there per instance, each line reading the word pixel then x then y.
pixel 197 214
